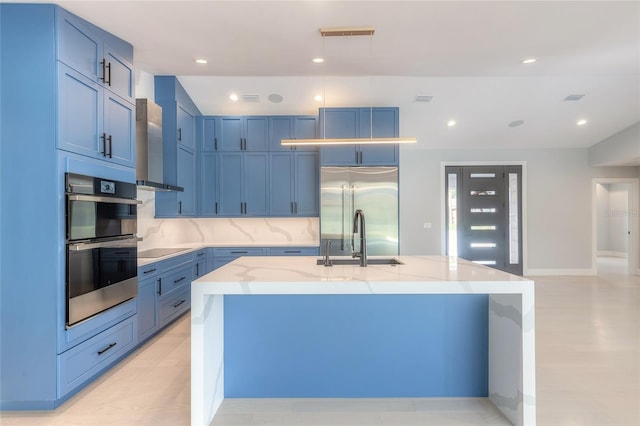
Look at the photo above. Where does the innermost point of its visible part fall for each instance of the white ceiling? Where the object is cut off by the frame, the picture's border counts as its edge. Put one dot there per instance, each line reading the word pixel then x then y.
pixel 466 54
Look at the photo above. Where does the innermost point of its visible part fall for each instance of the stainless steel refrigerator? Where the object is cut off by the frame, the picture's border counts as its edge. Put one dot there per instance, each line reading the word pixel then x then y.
pixel 374 190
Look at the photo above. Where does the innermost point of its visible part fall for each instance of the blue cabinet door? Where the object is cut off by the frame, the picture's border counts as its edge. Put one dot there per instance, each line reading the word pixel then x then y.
pixel 78 46
pixel 339 123
pixel 281 188
pixel 119 126
pixel 230 135
pixel 280 127
pixel 209 136
pixel 307 184
pixel 230 184
pixel 208 184
pixel 119 75
pixel 147 316
pixel 186 128
pixel 187 180
pixel 256 134
pixel 256 184
pixel 305 127
pixel 80 110
pixel 384 124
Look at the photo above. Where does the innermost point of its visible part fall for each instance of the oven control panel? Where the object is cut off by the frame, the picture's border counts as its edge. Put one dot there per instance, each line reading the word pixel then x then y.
pixel 107 187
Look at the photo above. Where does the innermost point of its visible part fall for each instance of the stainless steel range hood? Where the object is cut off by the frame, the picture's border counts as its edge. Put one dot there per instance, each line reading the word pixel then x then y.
pixel 149 171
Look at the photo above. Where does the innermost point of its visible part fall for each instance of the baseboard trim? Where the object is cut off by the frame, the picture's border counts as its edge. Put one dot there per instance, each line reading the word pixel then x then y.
pixel 577 272
pixel 612 253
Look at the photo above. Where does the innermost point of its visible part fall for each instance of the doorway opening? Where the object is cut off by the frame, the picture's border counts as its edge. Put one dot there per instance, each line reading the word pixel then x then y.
pixel 615 245
pixel 484 215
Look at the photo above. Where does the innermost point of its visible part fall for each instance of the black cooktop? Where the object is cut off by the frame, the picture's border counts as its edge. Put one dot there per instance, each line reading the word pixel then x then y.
pixel 159 252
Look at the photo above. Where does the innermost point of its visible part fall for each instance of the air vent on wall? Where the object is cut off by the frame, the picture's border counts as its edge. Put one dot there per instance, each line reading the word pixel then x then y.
pixel 251 98
pixel 424 98
pixel 573 97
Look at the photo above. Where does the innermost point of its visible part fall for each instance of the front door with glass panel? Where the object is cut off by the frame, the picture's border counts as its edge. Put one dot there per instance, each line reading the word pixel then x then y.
pixel 484 211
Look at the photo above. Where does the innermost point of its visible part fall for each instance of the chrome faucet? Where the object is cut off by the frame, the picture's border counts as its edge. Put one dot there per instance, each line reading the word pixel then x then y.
pixel 327 261
pixel 362 254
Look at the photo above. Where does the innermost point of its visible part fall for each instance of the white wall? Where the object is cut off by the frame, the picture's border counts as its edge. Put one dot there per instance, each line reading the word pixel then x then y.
pixel 557 206
pixel 620 148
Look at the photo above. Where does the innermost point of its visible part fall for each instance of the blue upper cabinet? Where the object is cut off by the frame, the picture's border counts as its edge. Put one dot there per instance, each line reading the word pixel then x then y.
pixel 209 139
pixel 96 54
pixel 242 184
pixel 95 86
pixel 291 127
pixel 356 123
pixel 294 184
pixel 179 115
pixel 230 133
pixel 186 128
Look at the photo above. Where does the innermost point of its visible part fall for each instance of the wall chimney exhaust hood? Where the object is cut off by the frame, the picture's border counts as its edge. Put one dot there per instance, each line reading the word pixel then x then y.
pixel 149 171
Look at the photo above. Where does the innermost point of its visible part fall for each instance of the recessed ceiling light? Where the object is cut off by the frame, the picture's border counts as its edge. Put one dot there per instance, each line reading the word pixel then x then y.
pixel 318 60
pixel 317 98
pixel 233 97
pixel 581 122
pixel 528 60
pixel 200 61
pixel 451 123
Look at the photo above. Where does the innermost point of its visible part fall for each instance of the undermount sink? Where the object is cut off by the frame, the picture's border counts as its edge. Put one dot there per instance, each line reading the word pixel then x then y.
pixel 379 261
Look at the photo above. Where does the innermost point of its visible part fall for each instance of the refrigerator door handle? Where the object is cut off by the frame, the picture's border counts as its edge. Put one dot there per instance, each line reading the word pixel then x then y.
pixel 344 211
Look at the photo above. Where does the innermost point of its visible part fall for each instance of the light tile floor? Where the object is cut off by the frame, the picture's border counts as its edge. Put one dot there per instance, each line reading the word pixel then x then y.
pixel 587 355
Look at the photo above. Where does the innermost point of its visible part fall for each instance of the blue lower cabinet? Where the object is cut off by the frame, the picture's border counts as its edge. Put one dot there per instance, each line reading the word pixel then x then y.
pixel 81 363
pixel 293 251
pixel 147 311
pixel 164 290
pixel 200 264
pixel 174 304
pixel 222 256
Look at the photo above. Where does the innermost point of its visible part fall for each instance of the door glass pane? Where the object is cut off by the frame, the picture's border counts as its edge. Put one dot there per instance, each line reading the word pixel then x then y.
pixel 514 255
pixel 482 175
pixel 484 210
pixel 483 245
pixel 452 196
pixel 485 262
pixel 482 193
pixel 483 227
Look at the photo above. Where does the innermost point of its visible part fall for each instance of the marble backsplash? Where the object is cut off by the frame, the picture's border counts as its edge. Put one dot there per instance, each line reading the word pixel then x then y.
pixel 221 231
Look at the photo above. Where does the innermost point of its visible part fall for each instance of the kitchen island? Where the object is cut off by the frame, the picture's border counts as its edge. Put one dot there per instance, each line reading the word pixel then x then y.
pixel 509 340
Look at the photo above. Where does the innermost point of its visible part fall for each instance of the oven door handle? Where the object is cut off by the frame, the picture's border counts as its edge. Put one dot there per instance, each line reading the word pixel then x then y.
pixel 99 199
pixel 124 242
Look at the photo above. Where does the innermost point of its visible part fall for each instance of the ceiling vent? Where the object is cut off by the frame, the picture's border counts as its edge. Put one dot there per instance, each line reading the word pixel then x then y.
pixel 573 97
pixel 424 98
pixel 251 98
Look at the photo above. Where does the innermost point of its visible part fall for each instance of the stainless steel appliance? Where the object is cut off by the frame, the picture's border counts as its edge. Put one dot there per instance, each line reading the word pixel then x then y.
pixel 149 156
pixel 374 190
pixel 101 245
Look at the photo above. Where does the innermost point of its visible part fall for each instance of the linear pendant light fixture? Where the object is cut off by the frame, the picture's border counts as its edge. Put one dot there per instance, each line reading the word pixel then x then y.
pixel 347 32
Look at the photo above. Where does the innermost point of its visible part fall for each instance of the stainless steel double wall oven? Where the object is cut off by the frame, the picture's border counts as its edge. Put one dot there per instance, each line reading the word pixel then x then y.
pixel 101 245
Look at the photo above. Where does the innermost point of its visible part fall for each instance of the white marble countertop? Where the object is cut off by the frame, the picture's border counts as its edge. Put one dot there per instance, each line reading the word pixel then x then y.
pixel 189 247
pixel 301 275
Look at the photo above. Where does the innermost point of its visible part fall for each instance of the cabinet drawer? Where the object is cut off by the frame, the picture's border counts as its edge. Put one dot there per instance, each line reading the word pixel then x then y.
pixel 148 271
pixel 173 305
pixel 293 251
pixel 82 362
pixel 237 252
pixel 174 280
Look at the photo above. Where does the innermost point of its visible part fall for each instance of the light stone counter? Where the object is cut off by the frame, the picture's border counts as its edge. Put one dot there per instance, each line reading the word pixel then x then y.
pixel 511 316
